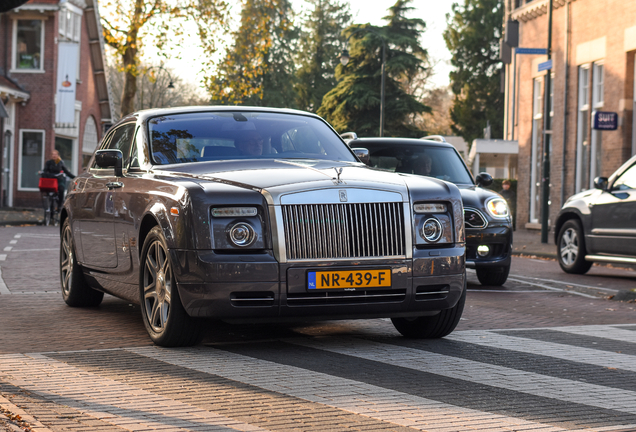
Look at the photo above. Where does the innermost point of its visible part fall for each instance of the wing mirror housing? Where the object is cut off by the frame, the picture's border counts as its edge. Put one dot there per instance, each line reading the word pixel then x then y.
pixel 600 183
pixel 483 179
pixel 363 155
pixel 106 159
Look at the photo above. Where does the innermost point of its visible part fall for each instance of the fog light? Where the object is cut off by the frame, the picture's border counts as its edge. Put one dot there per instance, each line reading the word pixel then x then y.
pixel 483 250
pixel 242 234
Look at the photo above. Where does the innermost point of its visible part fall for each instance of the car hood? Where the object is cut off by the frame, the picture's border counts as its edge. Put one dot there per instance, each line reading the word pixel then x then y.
pixel 475 196
pixel 275 173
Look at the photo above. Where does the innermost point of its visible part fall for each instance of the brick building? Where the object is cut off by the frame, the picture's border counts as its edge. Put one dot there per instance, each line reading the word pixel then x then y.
pixel 53 91
pixel 593 46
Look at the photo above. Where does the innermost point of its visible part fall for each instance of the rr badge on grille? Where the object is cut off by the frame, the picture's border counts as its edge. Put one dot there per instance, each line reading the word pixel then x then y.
pixel 343 196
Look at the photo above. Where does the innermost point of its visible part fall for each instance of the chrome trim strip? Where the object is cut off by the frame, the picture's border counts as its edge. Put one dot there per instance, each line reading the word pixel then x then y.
pixel 614 232
pixel 611 259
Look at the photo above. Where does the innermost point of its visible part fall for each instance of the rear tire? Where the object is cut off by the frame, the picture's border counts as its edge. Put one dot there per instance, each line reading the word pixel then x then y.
pixel 75 291
pixel 432 327
pixel 167 322
pixel 493 276
pixel 571 248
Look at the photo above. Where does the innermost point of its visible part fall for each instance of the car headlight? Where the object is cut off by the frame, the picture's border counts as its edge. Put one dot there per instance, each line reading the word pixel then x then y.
pixel 497 207
pixel 237 228
pixel 433 223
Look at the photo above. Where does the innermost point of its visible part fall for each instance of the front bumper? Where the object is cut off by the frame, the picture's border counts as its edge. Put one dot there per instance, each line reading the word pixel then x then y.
pixel 255 287
pixel 497 238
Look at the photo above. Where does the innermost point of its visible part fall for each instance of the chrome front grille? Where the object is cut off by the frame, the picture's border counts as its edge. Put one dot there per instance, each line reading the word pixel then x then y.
pixel 474 219
pixel 319 231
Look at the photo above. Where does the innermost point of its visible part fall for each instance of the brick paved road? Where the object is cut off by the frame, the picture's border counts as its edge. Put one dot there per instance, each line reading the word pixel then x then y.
pixel 537 355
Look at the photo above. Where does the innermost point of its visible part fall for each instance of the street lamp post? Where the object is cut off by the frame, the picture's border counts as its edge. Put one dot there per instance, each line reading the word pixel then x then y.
pixel 344 59
pixel 161 68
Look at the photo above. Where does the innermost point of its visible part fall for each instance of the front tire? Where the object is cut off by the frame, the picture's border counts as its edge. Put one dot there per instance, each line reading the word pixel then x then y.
pixel 431 327
pixel 493 276
pixel 166 321
pixel 75 291
pixel 571 248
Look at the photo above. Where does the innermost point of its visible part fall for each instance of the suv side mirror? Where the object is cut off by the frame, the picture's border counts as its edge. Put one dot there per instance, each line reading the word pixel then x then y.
pixel 110 159
pixel 363 155
pixel 483 179
pixel 600 183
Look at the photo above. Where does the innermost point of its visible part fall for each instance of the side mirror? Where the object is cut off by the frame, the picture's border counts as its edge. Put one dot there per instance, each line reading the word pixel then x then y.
pixel 483 179
pixel 110 159
pixel 363 155
pixel 600 183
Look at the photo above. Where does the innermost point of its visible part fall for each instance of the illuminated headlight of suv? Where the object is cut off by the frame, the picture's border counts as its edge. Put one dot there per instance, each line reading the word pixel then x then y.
pixel 237 228
pixel 497 207
pixel 433 223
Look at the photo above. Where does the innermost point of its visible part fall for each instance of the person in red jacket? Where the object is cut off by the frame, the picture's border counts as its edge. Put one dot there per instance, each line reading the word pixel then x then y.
pixel 55 165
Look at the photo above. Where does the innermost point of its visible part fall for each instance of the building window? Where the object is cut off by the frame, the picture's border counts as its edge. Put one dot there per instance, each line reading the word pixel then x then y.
pixel 66 148
pixel 536 151
pixel 29 41
pixel 596 148
pixel 31 158
pixel 70 25
pixel 582 132
pixel 634 112
pixel 89 141
pixel 598 89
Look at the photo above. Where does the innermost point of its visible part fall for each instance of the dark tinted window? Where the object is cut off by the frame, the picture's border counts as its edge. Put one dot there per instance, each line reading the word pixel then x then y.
pixel 120 139
pixel 440 162
pixel 195 137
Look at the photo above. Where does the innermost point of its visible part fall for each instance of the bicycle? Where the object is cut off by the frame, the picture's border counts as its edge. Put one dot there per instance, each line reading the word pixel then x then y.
pixel 48 186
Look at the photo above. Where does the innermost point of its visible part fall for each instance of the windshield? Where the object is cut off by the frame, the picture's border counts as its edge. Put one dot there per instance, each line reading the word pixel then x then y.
pixel 204 136
pixel 440 162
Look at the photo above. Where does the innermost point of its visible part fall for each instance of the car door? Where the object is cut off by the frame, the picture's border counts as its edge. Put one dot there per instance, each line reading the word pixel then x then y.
pixel 98 207
pixel 614 217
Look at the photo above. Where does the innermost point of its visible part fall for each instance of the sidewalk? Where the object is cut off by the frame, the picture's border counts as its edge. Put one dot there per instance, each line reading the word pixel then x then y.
pixel 21 216
pixel 528 242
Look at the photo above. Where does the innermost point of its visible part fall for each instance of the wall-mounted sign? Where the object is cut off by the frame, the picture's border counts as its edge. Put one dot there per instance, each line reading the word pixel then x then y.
pixel 604 120
pixel 546 65
pixel 535 51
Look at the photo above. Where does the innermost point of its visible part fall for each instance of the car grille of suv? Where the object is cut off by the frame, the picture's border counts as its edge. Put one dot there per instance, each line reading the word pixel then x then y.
pixel 474 219
pixel 319 231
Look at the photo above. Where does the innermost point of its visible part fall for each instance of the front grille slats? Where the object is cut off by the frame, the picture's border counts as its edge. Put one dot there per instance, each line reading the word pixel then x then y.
pixel 320 231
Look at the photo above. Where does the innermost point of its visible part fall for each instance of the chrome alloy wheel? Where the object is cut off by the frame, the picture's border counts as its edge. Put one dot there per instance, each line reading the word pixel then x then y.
pixel 157 283
pixel 569 246
pixel 67 260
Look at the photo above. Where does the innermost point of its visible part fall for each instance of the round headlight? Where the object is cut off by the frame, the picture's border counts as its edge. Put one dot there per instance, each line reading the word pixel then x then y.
pixel 498 208
pixel 431 230
pixel 242 234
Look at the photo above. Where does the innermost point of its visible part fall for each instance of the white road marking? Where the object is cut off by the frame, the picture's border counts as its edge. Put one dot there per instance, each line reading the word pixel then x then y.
pixel 341 393
pixel 17 236
pixel 3 287
pixel 601 331
pixel 552 288
pixel 3 257
pixel 511 291
pixel 481 373
pixel 8 248
pixel 13 242
pixel 548 349
pixel 567 283
pixel 35 250
pixel 111 401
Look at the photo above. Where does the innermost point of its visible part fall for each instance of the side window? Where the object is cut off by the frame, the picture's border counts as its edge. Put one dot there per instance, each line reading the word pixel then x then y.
pixel 122 140
pixel 627 180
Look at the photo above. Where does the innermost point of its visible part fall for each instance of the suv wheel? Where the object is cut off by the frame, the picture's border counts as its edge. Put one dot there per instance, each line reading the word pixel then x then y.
pixel 571 248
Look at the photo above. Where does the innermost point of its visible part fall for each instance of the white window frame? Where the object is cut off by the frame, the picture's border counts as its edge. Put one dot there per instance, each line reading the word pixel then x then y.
pixel 598 82
pixel 634 110
pixel 596 137
pixel 14 47
pixel 21 132
pixel 583 109
pixel 535 154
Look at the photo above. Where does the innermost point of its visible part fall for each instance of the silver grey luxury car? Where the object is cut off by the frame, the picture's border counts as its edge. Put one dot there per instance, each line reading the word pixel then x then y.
pixel 254 214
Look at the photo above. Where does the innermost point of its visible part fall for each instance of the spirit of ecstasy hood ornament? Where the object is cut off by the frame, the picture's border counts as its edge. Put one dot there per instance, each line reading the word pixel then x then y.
pixel 337 179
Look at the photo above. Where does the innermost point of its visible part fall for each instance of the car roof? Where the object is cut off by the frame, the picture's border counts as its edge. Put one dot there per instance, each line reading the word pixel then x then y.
pixel 397 141
pixel 154 112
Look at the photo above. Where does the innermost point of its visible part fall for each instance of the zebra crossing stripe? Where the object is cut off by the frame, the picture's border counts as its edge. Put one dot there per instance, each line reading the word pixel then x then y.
pixel 119 404
pixel 548 349
pixel 601 331
pixel 341 393
pixel 480 373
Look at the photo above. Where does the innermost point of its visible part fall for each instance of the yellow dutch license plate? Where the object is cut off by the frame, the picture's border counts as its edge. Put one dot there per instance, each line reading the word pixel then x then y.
pixel 347 279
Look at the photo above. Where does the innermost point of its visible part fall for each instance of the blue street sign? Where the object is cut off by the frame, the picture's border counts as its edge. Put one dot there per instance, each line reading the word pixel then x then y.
pixel 604 120
pixel 546 65
pixel 538 51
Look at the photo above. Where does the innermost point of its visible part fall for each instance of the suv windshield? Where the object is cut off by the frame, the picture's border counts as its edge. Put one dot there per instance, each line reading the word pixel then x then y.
pixel 204 136
pixel 434 161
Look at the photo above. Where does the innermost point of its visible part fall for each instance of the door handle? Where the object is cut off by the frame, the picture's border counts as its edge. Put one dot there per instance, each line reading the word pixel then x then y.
pixel 114 185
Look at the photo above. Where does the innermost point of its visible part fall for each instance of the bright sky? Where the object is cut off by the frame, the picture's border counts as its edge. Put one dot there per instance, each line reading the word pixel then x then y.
pixel 433 12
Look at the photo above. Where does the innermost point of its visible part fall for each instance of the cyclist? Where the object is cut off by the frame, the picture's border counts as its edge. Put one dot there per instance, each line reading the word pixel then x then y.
pixel 55 165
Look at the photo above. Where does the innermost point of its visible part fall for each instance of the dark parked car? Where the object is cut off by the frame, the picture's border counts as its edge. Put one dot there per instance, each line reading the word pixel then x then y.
pixel 255 214
pixel 486 213
pixel 599 225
